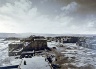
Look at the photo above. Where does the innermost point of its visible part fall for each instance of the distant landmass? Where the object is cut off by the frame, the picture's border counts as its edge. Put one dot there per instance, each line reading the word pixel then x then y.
pixel 23 35
pixel 6 35
pixel 53 35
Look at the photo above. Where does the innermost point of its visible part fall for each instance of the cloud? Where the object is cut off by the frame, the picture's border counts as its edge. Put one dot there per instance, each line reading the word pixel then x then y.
pixel 70 7
pixel 28 19
pixel 22 16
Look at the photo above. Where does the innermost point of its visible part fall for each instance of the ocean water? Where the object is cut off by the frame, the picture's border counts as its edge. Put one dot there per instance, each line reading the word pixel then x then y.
pixel 4 50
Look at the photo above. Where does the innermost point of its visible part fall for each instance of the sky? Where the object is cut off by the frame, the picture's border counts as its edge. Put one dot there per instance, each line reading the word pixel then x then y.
pixel 48 16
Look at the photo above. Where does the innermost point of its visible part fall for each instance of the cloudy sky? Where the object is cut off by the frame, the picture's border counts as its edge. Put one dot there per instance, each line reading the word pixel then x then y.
pixel 48 16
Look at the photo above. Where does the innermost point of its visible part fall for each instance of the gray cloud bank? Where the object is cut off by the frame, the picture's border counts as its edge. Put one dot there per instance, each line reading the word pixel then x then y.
pixel 48 16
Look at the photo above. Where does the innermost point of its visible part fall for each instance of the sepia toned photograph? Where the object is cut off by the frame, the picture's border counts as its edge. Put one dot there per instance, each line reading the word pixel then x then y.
pixel 47 34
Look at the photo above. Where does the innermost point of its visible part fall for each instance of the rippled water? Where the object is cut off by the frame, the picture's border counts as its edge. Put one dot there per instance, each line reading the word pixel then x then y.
pixel 90 43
